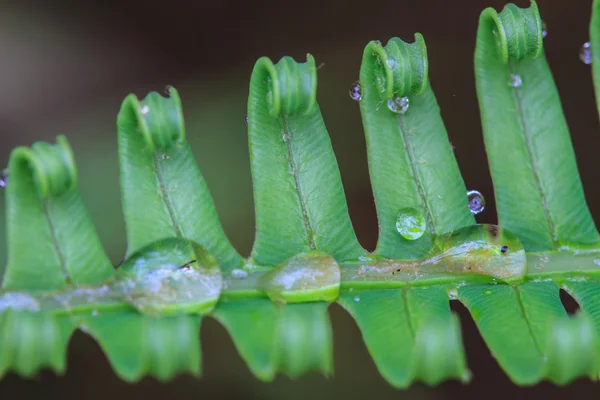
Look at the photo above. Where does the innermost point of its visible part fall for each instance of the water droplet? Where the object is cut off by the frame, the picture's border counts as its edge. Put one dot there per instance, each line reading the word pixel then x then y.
pixel 170 276
pixel 356 91
pixel 597 262
pixel 487 291
pixel 356 299
pixel 476 202
pixel 94 313
pixel 304 277
pixel 515 81
pixel 18 301
pixel 286 137
pixel 4 178
pixel 145 109
pixel 378 42
pixel 399 105
pixel 164 156
pixel 239 274
pixel 585 53
pixel 544 30
pixel 410 223
pixel 246 119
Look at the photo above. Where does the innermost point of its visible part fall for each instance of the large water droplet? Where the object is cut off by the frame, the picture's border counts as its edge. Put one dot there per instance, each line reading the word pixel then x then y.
pixel 171 276
pixel 544 30
pixel 4 178
pixel 476 201
pixel 585 53
pixel 399 105
pixel 410 223
pixel 239 274
pixel 312 276
pixel 515 81
pixel 355 91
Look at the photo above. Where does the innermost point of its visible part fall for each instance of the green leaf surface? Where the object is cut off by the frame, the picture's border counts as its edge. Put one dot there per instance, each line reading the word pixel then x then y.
pixel 252 325
pixel 30 341
pixel 138 345
pixel 304 339
pixel 411 163
pixel 538 191
pixel 292 161
pixel 410 333
pixel 51 238
pixel 163 192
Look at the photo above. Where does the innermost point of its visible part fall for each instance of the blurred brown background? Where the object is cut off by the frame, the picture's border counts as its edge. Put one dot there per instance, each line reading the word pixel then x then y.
pixel 65 67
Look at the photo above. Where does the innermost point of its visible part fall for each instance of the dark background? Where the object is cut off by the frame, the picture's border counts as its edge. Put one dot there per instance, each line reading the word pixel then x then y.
pixel 65 67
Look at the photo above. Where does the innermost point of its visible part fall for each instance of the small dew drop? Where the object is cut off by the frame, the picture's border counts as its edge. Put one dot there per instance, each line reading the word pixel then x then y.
pixel 356 299
pixel 585 53
pixel 476 202
pixel 355 91
pixel 246 119
pixel 4 178
pixel 239 274
pixel 164 156
pixel 286 137
pixel 410 223
pixel 597 262
pixel 544 30
pixel 399 105
pixel 515 81
pixel 487 291
pixel 145 110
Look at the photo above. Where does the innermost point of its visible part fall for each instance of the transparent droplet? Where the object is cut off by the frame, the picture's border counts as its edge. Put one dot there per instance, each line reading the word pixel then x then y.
pixel 515 81
pixel 597 262
pixel 286 137
pixel 355 91
pixel 164 156
pixel 585 53
pixel 4 178
pixel 378 42
pixel 410 223
pixel 239 274
pixel 312 272
pixel 94 313
pixel 544 30
pixel 356 299
pixel 399 105
pixel 487 291
pixel 145 109
pixel 246 119
pixel 476 202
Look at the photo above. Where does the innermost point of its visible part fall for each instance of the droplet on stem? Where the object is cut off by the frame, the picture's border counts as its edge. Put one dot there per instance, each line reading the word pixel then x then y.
pixel 399 105
pixel 476 202
pixel 585 53
pixel 239 274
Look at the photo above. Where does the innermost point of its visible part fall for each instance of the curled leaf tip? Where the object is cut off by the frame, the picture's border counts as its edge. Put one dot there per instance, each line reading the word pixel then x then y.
pixel 291 87
pixel 160 118
pixel 400 68
pixel 516 32
pixel 52 166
